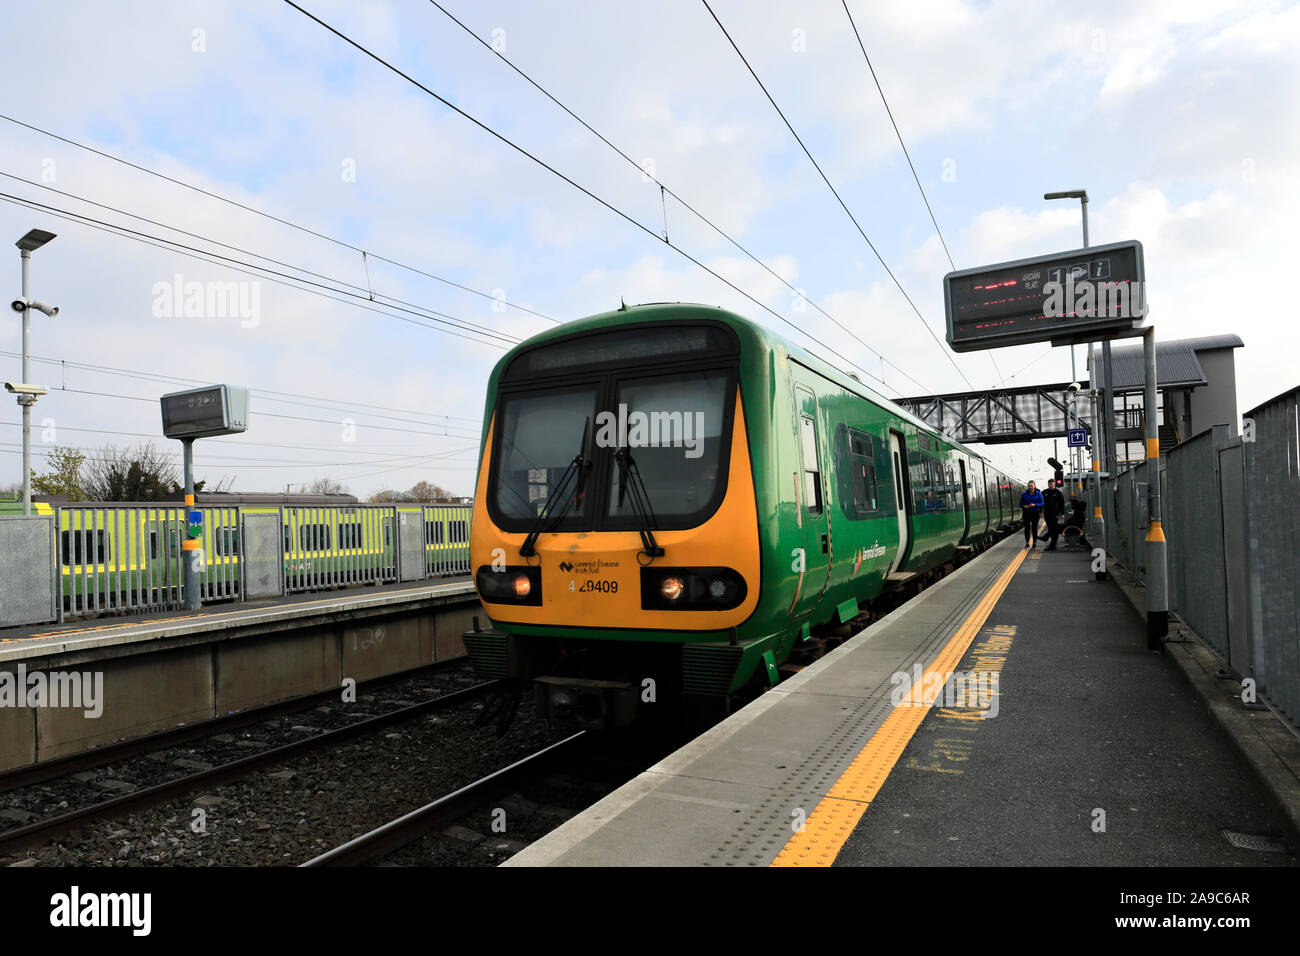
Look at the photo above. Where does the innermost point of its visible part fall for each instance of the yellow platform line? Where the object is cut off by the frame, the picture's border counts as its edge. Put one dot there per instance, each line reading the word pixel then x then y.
pixel 837 814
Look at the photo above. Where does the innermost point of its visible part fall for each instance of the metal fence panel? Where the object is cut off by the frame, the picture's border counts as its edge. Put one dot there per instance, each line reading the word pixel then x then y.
pixel 1236 556
pixel 446 539
pixel 1272 487
pixel 1125 523
pixel 27 574
pixel 1193 523
pixel 334 546
pixel 221 553
pixel 410 545
pixel 116 558
pixel 261 568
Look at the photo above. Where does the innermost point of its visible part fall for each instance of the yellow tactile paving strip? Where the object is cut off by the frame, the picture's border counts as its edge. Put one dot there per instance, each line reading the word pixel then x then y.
pixel 833 820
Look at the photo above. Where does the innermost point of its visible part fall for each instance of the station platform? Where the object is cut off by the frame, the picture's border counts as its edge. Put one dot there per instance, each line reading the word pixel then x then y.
pixel 1061 741
pixel 68 638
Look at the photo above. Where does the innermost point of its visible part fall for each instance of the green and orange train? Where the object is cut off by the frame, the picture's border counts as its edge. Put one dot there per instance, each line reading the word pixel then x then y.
pixel 671 500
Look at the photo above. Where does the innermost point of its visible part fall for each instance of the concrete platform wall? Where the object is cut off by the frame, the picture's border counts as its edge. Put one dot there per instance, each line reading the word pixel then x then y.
pixel 159 688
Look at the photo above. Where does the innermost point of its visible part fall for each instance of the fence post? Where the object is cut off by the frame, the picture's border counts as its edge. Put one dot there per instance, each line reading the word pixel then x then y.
pixel 1157 581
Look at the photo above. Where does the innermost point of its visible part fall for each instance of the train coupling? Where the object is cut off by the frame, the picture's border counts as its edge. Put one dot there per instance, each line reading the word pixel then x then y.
pixel 586 704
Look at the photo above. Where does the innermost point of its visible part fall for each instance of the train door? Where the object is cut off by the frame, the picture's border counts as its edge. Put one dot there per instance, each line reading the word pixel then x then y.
pixel 898 454
pixel 965 497
pixel 810 496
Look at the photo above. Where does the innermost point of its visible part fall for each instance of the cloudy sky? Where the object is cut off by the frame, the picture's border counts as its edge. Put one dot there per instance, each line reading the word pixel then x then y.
pixel 1179 117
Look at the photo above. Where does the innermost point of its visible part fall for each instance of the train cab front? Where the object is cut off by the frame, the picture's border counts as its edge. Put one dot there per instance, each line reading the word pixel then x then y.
pixel 615 532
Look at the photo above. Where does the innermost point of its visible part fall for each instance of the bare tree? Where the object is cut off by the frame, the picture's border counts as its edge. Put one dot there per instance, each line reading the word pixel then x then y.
pixel 142 473
pixel 326 486
pixel 425 491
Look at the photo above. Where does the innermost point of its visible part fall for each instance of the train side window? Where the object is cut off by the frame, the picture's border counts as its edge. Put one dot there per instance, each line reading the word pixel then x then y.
pixel 856 472
pixel 314 537
pixel 81 546
pixel 226 540
pixel 812 485
pixel 433 532
pixel 459 531
pixel 919 477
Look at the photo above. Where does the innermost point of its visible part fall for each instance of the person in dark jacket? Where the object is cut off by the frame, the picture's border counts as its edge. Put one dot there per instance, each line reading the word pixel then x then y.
pixel 1053 509
pixel 1031 508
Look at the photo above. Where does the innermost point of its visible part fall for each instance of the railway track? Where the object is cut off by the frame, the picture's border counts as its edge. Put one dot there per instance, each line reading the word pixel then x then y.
pixel 412 826
pixel 30 774
pixel 42 831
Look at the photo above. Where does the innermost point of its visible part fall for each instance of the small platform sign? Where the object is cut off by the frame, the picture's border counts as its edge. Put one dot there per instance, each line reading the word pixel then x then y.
pixel 1077 437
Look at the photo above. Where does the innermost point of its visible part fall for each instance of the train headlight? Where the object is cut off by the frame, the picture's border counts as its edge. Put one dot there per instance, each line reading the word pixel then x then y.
pixel 691 589
pixel 509 585
pixel 671 588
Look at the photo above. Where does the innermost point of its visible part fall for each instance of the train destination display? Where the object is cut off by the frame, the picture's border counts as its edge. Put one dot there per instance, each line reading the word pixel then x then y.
pixel 1080 294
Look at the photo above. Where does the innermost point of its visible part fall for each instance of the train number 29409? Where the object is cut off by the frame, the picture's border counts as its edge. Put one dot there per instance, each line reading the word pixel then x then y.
pixel 592 585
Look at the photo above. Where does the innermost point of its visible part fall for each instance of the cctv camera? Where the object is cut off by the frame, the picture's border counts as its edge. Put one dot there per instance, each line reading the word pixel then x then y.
pixel 19 304
pixel 39 306
pixel 1074 386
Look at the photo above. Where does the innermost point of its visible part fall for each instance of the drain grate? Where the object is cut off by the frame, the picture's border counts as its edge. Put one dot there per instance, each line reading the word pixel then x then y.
pixel 1251 841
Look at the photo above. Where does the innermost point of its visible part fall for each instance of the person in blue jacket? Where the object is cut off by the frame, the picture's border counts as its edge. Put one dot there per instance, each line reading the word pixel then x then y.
pixel 1031 509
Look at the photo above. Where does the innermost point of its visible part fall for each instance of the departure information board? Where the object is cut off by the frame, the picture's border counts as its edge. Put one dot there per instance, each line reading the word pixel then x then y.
pixel 205 412
pixel 1082 292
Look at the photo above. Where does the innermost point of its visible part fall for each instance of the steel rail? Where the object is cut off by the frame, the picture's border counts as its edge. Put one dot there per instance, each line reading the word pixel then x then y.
pixel 410 827
pixel 43 830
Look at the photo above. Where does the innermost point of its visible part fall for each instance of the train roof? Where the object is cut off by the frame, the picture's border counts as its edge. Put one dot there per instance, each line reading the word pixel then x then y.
pixel 650 311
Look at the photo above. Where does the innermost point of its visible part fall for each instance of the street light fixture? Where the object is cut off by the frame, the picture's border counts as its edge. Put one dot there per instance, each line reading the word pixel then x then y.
pixel 27 394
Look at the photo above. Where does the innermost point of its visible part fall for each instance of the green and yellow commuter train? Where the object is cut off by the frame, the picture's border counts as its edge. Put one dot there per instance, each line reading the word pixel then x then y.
pixel 671 499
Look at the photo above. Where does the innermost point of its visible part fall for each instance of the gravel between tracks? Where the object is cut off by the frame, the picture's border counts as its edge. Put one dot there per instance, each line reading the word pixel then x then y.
pixel 292 812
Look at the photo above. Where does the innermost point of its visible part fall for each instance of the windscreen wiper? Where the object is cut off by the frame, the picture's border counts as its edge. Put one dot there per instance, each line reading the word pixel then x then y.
pixel 581 466
pixel 627 469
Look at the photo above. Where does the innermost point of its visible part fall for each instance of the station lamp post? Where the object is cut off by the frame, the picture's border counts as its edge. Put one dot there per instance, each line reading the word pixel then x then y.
pixel 26 392
pixel 1082 196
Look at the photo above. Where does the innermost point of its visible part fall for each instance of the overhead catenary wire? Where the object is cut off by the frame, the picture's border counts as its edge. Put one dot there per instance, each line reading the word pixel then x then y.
pixel 266 215
pixel 440 317
pixel 125 233
pixel 331 404
pixel 296 418
pixel 843 205
pixel 370 292
pixel 246 459
pixel 585 191
pixel 908 156
pixel 664 189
